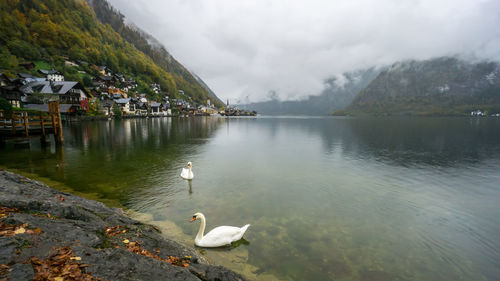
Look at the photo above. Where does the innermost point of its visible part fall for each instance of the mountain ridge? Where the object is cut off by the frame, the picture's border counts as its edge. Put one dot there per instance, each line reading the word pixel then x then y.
pixel 438 86
pixel 148 44
pixel 49 33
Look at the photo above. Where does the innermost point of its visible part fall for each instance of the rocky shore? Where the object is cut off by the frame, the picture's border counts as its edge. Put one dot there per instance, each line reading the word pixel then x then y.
pixel 50 235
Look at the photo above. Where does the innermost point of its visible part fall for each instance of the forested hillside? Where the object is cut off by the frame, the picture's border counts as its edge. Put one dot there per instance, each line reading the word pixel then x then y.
pixel 441 86
pixel 150 46
pixel 47 32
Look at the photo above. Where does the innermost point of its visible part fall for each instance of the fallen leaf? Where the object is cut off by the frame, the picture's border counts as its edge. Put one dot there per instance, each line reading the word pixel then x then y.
pixel 113 231
pixel 20 230
pixel 126 241
pixel 58 279
pixel 35 231
pixel 60 266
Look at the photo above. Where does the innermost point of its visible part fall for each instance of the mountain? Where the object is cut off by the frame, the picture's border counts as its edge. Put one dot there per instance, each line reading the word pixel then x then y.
pixel 50 32
pixel 440 86
pixel 149 45
pixel 338 93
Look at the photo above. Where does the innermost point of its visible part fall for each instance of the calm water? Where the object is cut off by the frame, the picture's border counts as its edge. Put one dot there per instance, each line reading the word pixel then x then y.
pixel 327 198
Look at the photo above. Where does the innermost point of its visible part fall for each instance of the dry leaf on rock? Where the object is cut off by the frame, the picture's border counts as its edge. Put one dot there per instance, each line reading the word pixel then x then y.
pixel 60 265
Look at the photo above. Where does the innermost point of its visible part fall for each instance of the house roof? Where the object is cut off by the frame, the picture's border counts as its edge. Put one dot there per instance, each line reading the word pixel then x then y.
pixel 48 87
pixel 154 104
pixel 81 62
pixel 105 78
pixel 25 75
pixel 122 101
pixel 108 103
pixel 48 72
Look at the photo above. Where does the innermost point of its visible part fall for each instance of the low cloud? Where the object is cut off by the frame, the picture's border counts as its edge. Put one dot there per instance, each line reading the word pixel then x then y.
pixel 252 48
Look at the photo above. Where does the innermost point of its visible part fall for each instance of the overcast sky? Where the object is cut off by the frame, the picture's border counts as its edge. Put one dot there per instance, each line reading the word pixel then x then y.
pixel 247 48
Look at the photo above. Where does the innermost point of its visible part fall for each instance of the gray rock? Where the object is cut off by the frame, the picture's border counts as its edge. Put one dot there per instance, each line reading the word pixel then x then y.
pixel 81 224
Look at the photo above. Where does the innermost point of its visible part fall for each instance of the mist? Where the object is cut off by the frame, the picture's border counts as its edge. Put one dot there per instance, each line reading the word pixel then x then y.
pixel 245 50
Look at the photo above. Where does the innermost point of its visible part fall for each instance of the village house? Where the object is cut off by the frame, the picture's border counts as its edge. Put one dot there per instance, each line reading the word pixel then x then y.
pixel 155 88
pixel 103 70
pixel 141 109
pixel 52 75
pixel 119 78
pixel 140 106
pixel 179 103
pixel 12 94
pixel 106 107
pixel 155 108
pixel 124 105
pixel 117 93
pixel 9 89
pixel 106 80
pixel 66 92
pixel 129 84
pixel 205 110
pixel 142 98
pixel 70 64
pixel 167 111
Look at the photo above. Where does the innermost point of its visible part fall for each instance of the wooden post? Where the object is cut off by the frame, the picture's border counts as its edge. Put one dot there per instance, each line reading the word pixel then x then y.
pixel 26 127
pixel 54 128
pixel 56 114
pixel 43 138
pixel 42 124
pixel 13 122
pixel 60 135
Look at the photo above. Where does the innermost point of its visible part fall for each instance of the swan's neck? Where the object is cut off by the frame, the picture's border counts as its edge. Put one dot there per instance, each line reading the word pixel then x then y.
pixel 199 236
pixel 190 173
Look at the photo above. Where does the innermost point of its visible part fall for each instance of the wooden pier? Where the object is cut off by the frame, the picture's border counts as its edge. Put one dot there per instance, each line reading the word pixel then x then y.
pixel 26 124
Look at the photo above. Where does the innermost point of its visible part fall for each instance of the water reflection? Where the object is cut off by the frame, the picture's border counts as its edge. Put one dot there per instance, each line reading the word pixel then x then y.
pixel 114 158
pixel 327 198
pixel 402 141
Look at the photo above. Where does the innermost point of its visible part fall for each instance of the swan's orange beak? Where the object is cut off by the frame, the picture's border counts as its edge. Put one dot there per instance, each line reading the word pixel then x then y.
pixel 193 219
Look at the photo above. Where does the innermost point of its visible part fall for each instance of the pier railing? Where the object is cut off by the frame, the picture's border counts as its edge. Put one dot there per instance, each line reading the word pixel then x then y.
pixel 31 123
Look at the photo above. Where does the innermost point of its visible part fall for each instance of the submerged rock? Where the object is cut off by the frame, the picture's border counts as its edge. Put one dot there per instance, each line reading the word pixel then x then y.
pixel 37 223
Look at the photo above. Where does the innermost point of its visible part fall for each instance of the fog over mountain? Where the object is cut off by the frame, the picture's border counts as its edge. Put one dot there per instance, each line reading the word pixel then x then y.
pixel 339 92
pixel 244 50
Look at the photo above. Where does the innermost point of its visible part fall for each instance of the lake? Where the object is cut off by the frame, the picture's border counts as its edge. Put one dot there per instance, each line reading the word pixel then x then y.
pixel 327 198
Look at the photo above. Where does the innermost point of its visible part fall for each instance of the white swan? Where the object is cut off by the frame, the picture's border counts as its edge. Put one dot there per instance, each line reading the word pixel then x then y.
pixel 187 173
pixel 219 236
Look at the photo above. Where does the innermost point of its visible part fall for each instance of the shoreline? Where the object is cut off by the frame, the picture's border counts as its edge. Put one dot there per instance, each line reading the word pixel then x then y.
pixel 38 222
